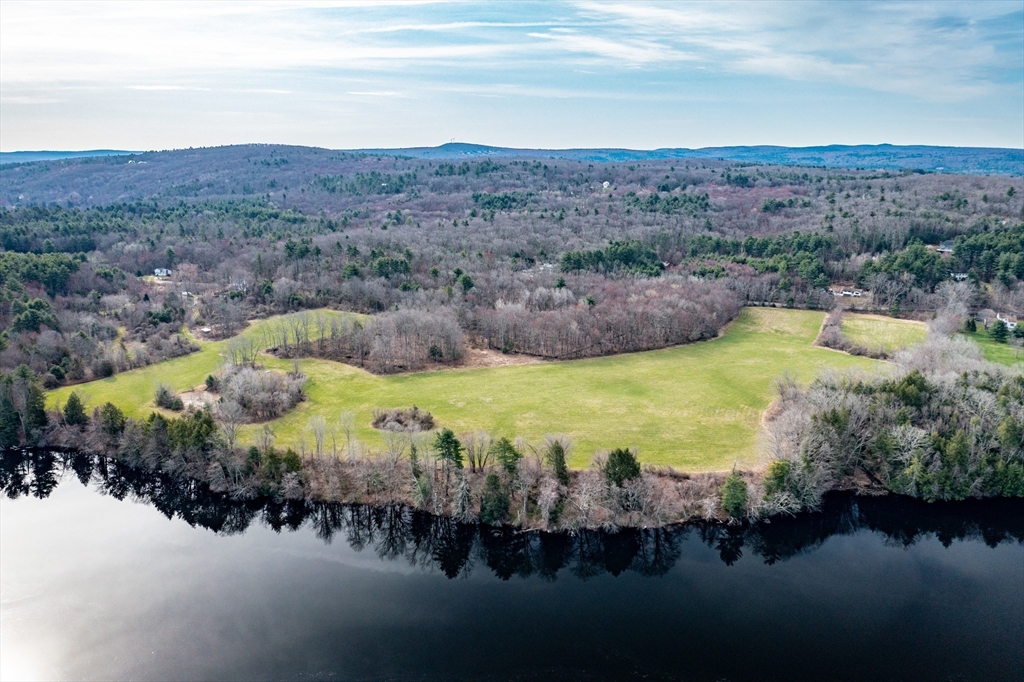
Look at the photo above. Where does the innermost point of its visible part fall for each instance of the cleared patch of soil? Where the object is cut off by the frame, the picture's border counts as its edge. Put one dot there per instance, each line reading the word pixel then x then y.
pixel 480 357
pixel 199 397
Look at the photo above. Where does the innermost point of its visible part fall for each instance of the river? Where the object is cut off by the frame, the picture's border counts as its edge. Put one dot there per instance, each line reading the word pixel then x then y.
pixel 110 574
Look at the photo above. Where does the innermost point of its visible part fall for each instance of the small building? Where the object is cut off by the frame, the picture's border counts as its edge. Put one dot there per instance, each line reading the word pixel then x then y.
pixel 945 247
pixel 1009 320
pixel 958 276
pixel 161 272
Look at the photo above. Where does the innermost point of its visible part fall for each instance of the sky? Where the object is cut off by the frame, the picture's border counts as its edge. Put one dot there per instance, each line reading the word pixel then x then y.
pixel 163 75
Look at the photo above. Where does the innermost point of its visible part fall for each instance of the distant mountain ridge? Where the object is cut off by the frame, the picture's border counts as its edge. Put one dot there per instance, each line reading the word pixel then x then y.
pixel 976 160
pixel 28 157
pixel 972 160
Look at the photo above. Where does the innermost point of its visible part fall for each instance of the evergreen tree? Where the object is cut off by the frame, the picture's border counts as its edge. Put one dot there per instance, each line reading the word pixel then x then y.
pixel 494 502
pixel 35 411
pixel 9 419
pixel 998 331
pixel 734 494
pixel 74 411
pixel 112 419
pixel 622 466
pixel 556 458
pixel 448 447
pixel 506 454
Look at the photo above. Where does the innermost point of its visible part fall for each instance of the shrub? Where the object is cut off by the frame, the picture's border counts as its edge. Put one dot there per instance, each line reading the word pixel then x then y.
pixel 776 479
pixel 166 399
pixel 104 369
pixel 261 393
pixel 734 495
pixel 622 466
pixel 403 419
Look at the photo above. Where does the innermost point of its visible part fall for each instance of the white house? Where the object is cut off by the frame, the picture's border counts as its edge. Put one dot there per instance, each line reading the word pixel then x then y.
pixel 162 272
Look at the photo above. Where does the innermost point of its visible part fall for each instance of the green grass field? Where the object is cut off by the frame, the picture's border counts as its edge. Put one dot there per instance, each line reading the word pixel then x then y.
pixel 878 332
pixel 133 391
pixel 695 407
pixel 1003 353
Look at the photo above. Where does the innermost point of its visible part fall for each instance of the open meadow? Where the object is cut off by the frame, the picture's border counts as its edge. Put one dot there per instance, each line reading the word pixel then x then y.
pixel 881 333
pixel 1003 353
pixel 695 407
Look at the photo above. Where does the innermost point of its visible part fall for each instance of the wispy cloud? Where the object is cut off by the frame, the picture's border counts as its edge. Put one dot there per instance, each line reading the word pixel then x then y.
pixel 428 67
pixel 938 51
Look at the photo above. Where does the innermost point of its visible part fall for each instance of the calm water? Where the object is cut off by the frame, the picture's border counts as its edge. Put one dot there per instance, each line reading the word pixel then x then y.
pixel 144 578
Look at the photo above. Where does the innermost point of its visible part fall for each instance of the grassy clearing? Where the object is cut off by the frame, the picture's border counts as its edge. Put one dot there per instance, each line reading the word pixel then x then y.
pixel 133 391
pixel 1003 353
pixel 695 407
pixel 878 332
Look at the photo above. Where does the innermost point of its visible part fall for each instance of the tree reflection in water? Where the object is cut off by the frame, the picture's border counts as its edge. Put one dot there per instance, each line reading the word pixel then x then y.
pixel 439 543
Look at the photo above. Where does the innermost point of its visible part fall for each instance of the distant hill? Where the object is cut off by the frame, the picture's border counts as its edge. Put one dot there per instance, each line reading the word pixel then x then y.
pixel 312 178
pixel 26 157
pixel 974 160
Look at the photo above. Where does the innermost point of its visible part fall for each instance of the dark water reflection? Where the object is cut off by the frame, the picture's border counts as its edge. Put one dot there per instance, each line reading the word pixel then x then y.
pixel 881 588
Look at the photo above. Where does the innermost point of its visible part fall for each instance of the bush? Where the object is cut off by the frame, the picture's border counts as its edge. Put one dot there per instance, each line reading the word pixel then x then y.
pixel 166 399
pixel 622 466
pixel 776 479
pixel 403 419
pixel 734 495
pixel 261 393
pixel 104 369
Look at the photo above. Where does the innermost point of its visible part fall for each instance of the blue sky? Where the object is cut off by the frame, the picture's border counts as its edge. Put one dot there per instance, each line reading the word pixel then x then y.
pixel 572 74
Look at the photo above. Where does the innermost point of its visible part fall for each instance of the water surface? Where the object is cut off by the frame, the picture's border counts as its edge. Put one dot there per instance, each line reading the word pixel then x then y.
pixel 143 577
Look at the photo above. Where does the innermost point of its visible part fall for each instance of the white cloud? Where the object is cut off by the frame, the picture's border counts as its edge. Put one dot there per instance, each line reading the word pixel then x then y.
pixel 935 51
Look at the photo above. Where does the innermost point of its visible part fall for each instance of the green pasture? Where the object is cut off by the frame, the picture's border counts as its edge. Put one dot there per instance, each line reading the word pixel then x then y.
pixel 1003 353
pixel 695 407
pixel 133 391
pixel 882 333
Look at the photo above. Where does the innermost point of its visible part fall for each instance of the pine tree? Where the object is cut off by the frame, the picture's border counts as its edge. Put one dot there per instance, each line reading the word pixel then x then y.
pixel 556 458
pixel 448 447
pixel 622 466
pixel 74 411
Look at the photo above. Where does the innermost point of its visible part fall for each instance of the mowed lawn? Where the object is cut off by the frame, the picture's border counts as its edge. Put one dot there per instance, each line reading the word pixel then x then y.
pixel 1003 353
pixel 882 333
pixel 695 407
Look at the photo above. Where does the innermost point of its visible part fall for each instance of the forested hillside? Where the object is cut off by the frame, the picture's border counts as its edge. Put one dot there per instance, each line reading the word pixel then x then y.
pixel 558 258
